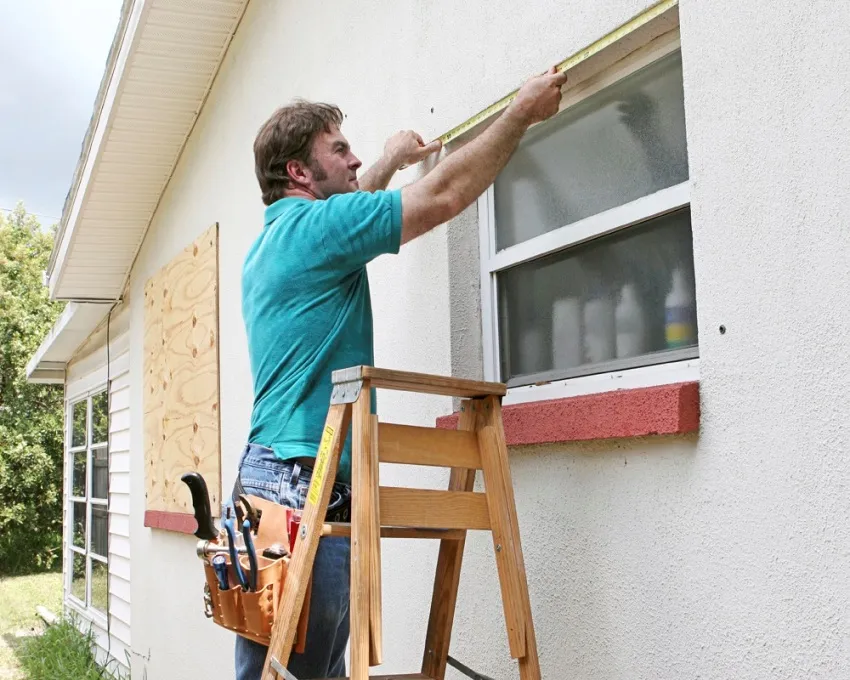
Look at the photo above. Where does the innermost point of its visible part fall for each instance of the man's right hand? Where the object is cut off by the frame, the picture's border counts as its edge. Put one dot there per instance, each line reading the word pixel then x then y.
pixel 540 97
pixel 407 148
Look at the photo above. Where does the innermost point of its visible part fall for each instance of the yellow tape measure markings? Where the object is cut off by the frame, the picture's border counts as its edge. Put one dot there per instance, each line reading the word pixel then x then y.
pixel 568 63
pixel 323 460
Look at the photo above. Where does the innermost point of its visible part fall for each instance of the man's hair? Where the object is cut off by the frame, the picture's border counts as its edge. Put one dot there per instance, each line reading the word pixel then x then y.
pixel 289 135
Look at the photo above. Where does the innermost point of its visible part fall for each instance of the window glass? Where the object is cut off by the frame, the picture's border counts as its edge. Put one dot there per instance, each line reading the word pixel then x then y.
pixel 615 299
pixel 625 142
pixel 100 472
pixel 78 576
pixel 99 530
pixel 78 423
pixel 78 474
pixel 99 585
pixel 99 418
pixel 79 524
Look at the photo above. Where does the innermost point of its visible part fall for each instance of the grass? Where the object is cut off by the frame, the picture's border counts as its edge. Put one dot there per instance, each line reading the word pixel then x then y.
pixel 61 653
pixel 19 596
pixel 29 650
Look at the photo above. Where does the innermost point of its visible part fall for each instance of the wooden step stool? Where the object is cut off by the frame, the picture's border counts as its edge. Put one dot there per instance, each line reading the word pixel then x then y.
pixel 388 512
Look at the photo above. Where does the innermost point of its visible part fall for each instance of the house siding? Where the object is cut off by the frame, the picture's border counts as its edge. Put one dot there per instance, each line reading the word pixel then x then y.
pixel 119 526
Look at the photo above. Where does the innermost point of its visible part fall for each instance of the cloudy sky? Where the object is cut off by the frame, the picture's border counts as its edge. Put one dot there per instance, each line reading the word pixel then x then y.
pixel 52 56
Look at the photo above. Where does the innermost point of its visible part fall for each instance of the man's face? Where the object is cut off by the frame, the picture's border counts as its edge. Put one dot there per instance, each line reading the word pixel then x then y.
pixel 333 169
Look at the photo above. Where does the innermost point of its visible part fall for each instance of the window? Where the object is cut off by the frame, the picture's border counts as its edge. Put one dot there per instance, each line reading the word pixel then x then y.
pixel 88 463
pixel 587 260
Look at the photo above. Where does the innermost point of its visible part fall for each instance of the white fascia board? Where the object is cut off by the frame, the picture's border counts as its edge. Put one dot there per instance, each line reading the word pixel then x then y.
pixel 48 373
pixel 95 148
pixel 71 329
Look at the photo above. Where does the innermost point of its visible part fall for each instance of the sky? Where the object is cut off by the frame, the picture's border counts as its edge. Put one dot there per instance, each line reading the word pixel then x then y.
pixel 52 57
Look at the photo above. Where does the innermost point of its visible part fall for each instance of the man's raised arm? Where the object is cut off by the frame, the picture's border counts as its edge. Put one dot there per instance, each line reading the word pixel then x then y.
pixel 464 175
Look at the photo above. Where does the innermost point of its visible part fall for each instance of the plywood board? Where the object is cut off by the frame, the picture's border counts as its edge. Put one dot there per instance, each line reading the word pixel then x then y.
pixel 181 380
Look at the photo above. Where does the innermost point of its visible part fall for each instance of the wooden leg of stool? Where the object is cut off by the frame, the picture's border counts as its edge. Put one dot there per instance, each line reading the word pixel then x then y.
pixel 447 578
pixel 506 540
pixel 307 542
pixel 375 620
pixel 361 540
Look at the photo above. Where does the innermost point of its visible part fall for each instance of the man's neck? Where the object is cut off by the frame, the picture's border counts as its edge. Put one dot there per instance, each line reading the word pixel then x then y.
pixel 300 192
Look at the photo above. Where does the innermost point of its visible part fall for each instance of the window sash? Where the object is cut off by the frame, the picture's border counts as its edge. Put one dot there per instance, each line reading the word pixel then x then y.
pixel 601 224
pixel 86 553
pixel 562 239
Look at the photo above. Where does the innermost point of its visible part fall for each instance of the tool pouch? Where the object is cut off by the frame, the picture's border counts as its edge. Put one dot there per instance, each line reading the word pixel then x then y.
pixel 252 614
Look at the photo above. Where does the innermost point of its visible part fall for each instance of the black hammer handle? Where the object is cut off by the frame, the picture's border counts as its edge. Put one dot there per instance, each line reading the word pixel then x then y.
pixel 201 502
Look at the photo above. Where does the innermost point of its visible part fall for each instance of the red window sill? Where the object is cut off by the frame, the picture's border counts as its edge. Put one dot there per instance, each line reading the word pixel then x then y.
pixel 665 409
pixel 171 521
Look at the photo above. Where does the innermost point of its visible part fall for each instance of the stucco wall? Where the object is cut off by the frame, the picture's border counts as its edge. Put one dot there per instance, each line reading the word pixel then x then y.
pixel 713 556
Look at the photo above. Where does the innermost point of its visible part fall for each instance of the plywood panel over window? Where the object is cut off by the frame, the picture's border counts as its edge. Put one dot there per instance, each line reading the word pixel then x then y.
pixel 181 385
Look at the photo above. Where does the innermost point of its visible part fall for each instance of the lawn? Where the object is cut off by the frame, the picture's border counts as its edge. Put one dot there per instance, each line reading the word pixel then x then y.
pixel 19 596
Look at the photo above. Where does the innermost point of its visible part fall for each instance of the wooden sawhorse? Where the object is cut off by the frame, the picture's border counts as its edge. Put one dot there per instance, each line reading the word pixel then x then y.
pixel 388 512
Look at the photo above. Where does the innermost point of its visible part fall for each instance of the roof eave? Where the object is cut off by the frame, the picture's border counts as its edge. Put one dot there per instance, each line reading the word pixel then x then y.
pixel 111 77
pixel 74 325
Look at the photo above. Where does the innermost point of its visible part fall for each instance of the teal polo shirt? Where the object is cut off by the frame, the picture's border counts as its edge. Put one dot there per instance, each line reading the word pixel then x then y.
pixel 307 310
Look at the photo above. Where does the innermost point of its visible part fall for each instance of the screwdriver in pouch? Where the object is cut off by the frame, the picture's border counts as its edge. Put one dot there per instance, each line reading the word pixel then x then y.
pixel 219 565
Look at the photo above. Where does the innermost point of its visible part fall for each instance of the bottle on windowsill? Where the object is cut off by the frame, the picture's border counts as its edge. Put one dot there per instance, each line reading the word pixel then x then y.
pixel 599 327
pixel 680 313
pixel 630 324
pixel 566 333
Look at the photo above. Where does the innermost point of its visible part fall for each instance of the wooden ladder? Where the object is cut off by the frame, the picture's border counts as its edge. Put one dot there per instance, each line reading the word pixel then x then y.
pixel 389 512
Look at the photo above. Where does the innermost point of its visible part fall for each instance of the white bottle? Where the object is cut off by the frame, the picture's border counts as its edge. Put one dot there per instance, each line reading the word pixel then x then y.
pixel 532 349
pixel 631 327
pixel 599 330
pixel 566 333
pixel 679 313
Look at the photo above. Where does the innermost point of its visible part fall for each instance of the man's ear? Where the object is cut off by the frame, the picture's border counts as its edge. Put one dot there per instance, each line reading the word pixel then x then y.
pixel 297 172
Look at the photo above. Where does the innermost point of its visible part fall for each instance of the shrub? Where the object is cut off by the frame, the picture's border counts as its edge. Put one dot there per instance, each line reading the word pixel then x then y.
pixel 30 415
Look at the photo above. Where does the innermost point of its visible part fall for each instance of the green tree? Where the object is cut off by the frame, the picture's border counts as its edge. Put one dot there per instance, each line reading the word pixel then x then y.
pixel 31 417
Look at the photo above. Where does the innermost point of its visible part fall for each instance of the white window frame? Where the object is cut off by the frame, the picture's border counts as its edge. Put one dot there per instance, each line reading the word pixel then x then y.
pixel 676 366
pixel 85 608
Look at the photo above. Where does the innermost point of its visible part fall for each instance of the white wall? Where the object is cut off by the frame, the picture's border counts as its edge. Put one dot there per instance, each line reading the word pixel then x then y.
pixel 713 556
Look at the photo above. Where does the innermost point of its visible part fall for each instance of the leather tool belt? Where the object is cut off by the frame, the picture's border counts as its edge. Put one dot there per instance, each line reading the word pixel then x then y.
pixel 251 612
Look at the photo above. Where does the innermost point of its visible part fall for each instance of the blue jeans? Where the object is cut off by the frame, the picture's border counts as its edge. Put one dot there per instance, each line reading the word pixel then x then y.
pixel 284 482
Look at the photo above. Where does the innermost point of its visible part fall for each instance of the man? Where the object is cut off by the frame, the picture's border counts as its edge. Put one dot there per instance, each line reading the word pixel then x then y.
pixel 307 309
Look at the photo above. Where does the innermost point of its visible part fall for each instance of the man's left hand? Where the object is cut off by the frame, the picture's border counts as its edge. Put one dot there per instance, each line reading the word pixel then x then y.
pixel 407 148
